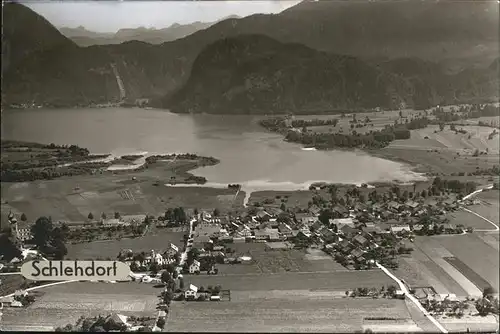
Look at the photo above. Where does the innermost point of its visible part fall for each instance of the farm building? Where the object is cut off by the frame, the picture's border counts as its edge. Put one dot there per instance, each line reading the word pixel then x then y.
pixel 341 222
pixel 191 293
pixel 400 229
pixel 194 268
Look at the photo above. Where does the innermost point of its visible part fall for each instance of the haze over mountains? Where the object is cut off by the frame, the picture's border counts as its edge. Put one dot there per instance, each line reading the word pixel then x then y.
pixel 84 37
pixel 400 52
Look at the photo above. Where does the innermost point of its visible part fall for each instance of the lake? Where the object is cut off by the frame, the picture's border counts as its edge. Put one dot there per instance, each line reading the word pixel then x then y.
pixel 249 154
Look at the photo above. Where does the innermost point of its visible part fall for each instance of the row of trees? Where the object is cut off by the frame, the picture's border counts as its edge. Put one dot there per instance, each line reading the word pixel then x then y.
pixel 372 139
pixel 49 239
pixel 176 214
pixel 466 112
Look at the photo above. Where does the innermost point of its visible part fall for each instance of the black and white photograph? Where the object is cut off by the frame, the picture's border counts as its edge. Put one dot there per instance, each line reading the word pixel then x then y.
pixel 258 166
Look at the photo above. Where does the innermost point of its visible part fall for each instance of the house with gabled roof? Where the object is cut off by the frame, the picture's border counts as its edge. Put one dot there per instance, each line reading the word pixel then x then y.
pixel 263 215
pixel 357 253
pixel 285 230
pixel 317 226
pixel 349 231
pixel 274 211
pixel 118 319
pixel 314 210
pixel 305 218
pixel 328 235
pixel 341 222
pixel 172 250
pixel 243 231
pixel 396 229
pixel 393 206
pixel 412 204
pixel 340 210
pixel 345 246
pixel 191 293
pixel 194 268
pixel 360 240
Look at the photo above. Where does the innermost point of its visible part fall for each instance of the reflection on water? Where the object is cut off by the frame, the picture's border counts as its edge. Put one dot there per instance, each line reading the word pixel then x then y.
pixel 249 155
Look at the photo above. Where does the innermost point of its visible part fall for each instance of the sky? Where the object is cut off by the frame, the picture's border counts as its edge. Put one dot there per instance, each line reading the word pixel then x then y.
pixel 110 16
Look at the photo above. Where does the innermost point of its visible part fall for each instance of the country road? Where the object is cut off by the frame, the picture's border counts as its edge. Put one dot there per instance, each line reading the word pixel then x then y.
pixel 403 287
pixel 496 229
pixel 487 187
pixel 415 301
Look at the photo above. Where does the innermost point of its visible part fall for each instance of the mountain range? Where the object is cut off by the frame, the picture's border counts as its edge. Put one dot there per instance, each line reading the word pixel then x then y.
pixel 373 53
pixel 84 37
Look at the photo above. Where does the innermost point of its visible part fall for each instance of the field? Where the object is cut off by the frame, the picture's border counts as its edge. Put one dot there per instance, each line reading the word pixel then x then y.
pixel 63 304
pixel 333 281
pixel 10 283
pixel 444 151
pixel 289 313
pixel 71 199
pixel 459 264
pixel 469 219
pixel 489 207
pixel 378 119
pixel 105 249
pixel 265 260
pixel 289 198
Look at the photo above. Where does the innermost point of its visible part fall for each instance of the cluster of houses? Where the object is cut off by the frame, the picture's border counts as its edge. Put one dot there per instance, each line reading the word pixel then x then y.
pixel 353 231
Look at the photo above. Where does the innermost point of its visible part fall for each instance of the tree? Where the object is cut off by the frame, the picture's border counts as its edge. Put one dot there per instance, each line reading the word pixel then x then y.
pixel 134 267
pixel 90 216
pixel 60 250
pixel 170 268
pixel 168 296
pixel 181 283
pixel 23 217
pixel 216 290
pixel 483 306
pixel 391 290
pixel 216 212
pixel 488 292
pixel 117 215
pixel 161 323
pixel 42 231
pixel 154 268
pixel 103 216
pixel 8 248
pixel 165 277
pixel 283 207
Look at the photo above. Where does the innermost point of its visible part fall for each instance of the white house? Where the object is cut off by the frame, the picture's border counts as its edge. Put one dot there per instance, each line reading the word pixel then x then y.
pixel 114 222
pixel 341 222
pixel 400 228
pixel 194 268
pixel 158 258
pixel 133 219
pixel 172 250
pixel 191 293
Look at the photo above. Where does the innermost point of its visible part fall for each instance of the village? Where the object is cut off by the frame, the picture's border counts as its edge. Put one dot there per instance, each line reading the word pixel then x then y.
pixel 356 233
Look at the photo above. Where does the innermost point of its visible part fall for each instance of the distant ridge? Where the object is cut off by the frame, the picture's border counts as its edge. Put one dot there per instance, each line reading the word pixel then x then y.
pixel 84 37
pixel 43 67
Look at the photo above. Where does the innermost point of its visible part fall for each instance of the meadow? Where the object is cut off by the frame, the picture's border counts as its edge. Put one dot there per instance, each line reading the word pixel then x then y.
pixel 62 304
pixel 288 314
pixel 459 264
pixel 71 199
pixel 111 248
